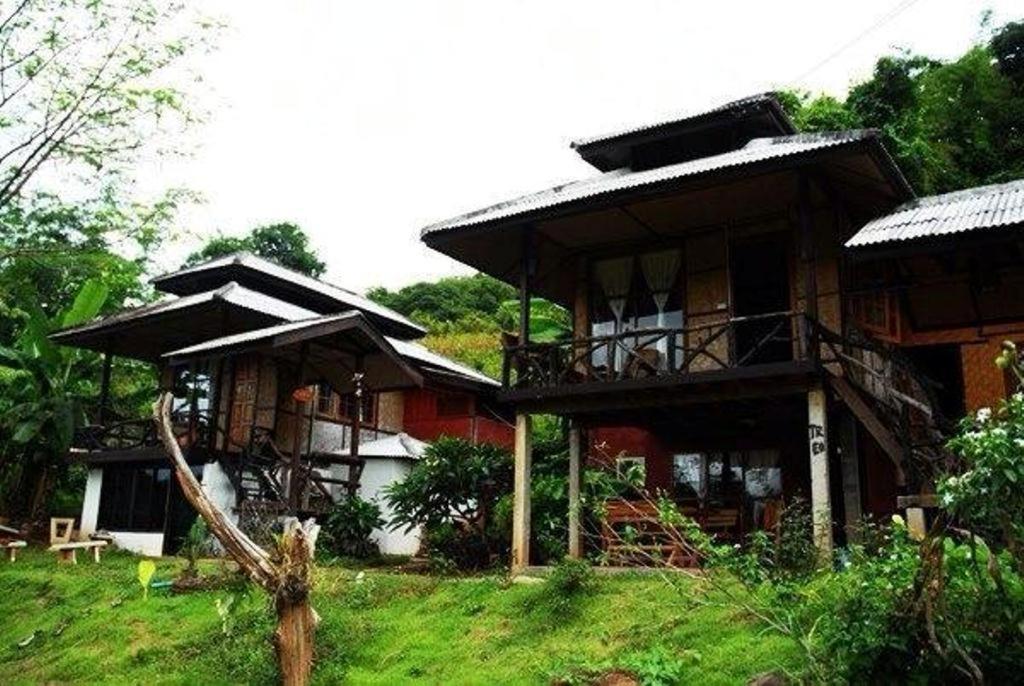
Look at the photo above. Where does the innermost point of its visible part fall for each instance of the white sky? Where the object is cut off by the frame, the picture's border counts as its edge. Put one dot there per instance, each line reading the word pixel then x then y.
pixel 364 121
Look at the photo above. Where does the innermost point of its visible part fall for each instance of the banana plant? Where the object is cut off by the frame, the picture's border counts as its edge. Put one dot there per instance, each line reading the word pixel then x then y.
pixel 41 395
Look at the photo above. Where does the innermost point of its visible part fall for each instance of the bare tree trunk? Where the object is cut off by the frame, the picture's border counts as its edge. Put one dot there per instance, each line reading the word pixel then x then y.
pixel 287 576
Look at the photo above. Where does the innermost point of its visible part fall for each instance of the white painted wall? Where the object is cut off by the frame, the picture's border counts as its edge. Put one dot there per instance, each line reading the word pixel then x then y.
pixel 378 473
pixel 91 502
pixel 215 482
pixel 218 487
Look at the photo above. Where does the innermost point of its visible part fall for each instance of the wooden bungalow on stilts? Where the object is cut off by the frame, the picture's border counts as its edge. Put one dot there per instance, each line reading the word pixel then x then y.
pixel 279 381
pixel 753 319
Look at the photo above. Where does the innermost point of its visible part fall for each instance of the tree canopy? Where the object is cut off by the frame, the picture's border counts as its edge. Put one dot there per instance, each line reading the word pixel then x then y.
pixel 949 125
pixel 284 243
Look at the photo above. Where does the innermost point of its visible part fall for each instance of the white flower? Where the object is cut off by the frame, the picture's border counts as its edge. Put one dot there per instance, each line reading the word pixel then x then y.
pixel 984 414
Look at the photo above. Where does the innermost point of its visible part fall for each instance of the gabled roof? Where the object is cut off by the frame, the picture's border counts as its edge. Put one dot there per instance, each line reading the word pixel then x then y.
pixel 148 331
pixel 440 365
pixel 734 108
pixel 192 321
pixel 760 151
pixel 690 135
pixel 285 284
pixel 974 209
pixel 326 347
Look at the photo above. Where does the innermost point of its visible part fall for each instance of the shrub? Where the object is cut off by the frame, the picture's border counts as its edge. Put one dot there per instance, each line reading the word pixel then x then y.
pixel 571 577
pixel 196 543
pixel 348 526
pixel 452 491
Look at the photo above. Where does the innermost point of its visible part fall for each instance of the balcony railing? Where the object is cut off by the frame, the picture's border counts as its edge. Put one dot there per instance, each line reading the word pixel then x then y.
pixel 776 337
pixel 132 434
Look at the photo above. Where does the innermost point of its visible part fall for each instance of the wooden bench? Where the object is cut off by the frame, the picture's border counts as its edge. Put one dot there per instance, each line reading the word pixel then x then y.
pixel 67 551
pixel 652 541
pixel 12 549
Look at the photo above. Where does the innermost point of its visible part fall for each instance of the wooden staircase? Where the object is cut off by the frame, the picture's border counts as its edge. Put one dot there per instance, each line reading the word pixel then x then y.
pixel 893 401
pixel 259 476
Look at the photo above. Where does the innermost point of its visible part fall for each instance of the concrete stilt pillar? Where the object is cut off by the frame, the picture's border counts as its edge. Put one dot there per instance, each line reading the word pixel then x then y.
pixel 575 447
pixel 821 499
pixel 521 493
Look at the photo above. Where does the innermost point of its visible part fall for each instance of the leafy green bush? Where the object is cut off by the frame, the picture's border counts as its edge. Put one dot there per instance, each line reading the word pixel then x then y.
pixel 452 491
pixel 347 528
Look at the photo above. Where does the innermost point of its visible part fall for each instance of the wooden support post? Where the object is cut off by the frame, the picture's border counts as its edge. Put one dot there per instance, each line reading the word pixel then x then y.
pixel 850 460
pixel 294 478
pixel 101 414
pixel 357 418
pixel 821 499
pixel 808 258
pixel 521 493
pixel 916 523
pixel 575 446
pixel 525 274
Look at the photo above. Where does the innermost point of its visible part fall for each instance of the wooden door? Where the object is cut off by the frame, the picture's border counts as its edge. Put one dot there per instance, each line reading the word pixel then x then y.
pixel 759 271
pixel 243 400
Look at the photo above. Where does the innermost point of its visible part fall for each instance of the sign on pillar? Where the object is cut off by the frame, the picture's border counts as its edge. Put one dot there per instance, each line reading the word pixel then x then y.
pixel 821 499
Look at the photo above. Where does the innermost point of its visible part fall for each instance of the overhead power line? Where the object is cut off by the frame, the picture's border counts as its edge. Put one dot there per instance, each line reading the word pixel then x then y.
pixel 899 9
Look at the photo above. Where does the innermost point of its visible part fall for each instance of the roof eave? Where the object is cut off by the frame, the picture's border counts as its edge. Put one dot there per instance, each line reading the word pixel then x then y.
pixel 435 237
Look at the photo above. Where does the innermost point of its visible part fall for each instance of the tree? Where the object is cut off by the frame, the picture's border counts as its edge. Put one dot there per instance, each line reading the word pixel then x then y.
pixel 89 85
pixel 472 300
pixel 284 243
pixel 42 401
pixel 452 492
pixel 287 576
pixel 1007 44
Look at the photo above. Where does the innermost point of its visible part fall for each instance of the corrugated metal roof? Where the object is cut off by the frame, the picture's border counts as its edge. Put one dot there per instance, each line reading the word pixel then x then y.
pixel 258 335
pixel 420 354
pixel 341 295
pixel 400 446
pixel 983 207
pixel 737 105
pixel 230 292
pixel 757 150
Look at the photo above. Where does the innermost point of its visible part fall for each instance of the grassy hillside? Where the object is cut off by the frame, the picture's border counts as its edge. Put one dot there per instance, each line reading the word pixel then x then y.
pixel 91 625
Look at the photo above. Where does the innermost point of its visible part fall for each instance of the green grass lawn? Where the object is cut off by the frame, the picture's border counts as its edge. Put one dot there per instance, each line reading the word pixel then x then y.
pixel 91 625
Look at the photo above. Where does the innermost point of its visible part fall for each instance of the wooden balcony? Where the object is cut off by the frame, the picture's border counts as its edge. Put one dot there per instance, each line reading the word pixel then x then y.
pixel 734 350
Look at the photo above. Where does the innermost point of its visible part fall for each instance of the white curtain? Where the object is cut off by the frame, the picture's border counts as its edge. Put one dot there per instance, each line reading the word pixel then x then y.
pixel 615 276
pixel 660 270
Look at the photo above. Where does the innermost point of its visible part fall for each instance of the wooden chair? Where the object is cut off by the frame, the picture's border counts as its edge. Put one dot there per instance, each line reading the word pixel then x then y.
pixel 61 533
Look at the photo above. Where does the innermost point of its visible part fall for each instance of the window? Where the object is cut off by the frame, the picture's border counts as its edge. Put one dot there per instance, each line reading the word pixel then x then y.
pixel 368 415
pixel 876 312
pixel 326 400
pixel 133 497
pixel 453 405
pixel 707 477
pixel 638 293
pixel 330 405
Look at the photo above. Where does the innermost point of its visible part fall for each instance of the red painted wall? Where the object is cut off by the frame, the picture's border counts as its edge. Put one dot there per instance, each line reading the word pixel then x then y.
pixel 610 442
pixel 421 420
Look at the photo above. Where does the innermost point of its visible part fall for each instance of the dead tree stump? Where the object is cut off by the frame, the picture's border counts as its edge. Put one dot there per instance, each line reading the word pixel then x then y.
pixel 286 576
